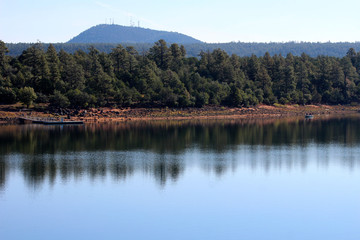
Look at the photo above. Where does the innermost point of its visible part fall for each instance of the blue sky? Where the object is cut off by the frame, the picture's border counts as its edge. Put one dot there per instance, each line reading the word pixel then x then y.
pixel 207 20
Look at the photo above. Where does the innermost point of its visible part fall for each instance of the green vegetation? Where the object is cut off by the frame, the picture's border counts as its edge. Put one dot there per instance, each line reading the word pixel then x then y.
pixel 241 49
pixel 27 95
pixel 164 76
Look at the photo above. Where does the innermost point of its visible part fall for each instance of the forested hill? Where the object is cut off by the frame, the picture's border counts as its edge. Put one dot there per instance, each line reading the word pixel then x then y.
pixel 111 33
pixel 193 50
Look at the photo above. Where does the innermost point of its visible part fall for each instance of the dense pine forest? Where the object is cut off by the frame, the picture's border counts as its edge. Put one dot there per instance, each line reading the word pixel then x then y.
pixel 164 76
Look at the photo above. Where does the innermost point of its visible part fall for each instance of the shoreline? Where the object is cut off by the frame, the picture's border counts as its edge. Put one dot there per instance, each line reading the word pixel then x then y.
pixel 10 114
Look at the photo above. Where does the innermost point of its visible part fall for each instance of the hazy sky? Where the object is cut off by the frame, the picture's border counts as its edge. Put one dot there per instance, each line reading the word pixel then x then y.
pixel 206 20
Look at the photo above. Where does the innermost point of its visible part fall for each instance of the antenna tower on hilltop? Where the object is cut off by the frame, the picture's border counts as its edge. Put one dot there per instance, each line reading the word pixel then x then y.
pixel 132 23
pixel 111 21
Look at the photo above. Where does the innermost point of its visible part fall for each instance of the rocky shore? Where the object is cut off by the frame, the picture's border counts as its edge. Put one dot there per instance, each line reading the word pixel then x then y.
pixel 9 114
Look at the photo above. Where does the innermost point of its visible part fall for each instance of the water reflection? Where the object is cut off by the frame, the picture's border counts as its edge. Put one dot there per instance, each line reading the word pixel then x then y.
pixel 174 137
pixel 3 170
pixel 164 150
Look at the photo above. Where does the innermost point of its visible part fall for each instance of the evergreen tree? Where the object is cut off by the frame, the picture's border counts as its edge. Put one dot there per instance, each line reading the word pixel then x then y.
pixel 303 83
pixel 322 82
pixel 268 63
pixel 4 65
pixel 263 83
pixel 160 54
pixel 100 83
pixel 176 57
pixel 34 57
pixel 253 67
pixel 350 76
pixel 278 76
pixel 54 67
pixel 289 79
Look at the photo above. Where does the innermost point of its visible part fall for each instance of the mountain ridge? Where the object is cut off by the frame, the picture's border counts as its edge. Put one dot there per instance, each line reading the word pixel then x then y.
pixel 113 33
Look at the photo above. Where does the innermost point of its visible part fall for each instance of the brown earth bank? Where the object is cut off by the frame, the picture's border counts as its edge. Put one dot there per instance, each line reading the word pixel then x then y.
pixel 10 113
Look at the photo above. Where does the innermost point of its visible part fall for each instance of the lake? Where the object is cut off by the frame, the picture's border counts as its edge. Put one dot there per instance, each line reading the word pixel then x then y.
pixel 240 179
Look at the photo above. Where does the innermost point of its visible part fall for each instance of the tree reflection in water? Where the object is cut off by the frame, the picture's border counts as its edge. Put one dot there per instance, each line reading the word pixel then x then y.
pixel 163 149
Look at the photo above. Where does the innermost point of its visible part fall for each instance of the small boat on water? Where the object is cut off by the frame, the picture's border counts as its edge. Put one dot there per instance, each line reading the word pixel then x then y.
pixel 309 116
pixel 47 121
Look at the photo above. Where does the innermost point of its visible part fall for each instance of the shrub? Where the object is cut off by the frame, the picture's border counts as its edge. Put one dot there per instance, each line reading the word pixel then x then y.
pixel 59 100
pixel 27 95
pixel 79 99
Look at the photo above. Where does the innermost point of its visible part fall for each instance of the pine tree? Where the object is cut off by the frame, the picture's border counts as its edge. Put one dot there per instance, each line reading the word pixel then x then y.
pixel 54 67
pixel 4 66
pixel 350 76
pixel 160 54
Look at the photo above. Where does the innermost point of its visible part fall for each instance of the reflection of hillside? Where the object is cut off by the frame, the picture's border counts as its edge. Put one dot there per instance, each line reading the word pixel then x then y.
pixel 3 170
pixel 164 150
pixel 174 137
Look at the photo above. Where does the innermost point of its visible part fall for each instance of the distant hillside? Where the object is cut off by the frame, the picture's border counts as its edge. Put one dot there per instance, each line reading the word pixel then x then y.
pixel 106 33
pixel 239 48
pixel 313 49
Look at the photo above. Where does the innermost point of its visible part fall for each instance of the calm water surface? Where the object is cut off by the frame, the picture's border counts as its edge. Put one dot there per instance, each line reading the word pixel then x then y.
pixel 278 179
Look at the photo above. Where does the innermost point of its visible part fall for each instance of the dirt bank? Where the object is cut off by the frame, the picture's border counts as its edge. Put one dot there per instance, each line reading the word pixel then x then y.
pixel 11 113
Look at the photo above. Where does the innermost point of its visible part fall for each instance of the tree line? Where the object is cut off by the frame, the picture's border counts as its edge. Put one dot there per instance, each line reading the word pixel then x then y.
pixel 242 49
pixel 164 76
